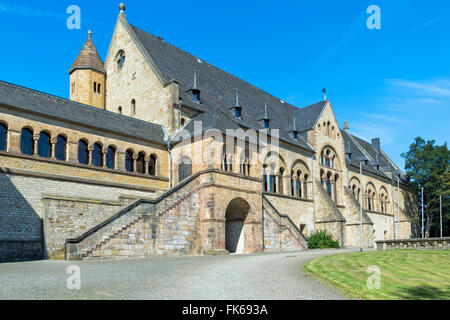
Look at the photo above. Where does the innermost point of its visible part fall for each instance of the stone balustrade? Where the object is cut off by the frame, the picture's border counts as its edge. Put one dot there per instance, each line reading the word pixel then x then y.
pixel 414 244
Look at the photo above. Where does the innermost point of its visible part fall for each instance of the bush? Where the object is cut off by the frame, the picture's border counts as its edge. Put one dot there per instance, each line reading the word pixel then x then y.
pixel 322 240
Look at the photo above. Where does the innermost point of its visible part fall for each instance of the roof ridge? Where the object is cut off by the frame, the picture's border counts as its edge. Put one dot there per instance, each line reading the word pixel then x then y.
pixel 293 107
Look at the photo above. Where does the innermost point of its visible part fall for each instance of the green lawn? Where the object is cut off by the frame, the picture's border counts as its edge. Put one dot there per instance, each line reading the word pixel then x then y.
pixel 405 274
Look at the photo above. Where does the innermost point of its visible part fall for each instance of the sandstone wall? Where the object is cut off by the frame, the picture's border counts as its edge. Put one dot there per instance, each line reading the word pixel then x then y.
pixel 47 210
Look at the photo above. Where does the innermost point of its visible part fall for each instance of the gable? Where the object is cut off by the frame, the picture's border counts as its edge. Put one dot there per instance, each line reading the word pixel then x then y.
pixel 136 86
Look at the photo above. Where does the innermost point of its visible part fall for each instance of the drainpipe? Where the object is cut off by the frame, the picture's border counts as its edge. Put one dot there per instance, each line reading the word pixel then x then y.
pixel 262 204
pixel 314 192
pixel 393 204
pixel 169 148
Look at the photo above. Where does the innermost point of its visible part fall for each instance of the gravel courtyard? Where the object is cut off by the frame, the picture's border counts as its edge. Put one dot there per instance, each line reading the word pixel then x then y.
pixel 236 277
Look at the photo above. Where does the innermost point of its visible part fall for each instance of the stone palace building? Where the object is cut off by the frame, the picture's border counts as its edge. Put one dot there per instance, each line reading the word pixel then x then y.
pixel 157 152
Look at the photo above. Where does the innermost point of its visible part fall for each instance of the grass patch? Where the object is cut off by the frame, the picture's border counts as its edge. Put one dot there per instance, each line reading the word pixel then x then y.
pixel 405 274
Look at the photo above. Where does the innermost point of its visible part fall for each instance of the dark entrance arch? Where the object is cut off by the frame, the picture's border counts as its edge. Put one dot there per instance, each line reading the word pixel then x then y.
pixel 236 214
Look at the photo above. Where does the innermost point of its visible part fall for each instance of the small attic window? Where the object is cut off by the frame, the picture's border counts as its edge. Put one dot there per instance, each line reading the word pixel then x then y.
pixel 237 113
pixel 195 96
pixel 295 135
pixel 266 123
pixel 120 59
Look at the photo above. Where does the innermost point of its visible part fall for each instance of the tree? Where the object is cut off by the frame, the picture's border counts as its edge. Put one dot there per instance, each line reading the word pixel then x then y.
pixel 427 166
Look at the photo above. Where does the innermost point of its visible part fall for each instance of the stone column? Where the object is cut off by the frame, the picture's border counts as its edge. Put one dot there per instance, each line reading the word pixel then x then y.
pixel 135 157
pixel 53 141
pixel 146 161
pixel 333 190
pixel 104 152
pixel 13 141
pixel 90 149
pixel 305 189
pixel 36 140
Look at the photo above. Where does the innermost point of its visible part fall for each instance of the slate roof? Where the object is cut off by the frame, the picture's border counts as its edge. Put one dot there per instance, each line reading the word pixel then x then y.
pixel 218 93
pixel 360 148
pixel 88 58
pixel 48 105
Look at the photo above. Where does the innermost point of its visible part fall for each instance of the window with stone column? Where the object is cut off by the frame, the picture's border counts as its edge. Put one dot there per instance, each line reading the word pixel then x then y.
pixel 83 152
pixel 129 161
pixel 27 141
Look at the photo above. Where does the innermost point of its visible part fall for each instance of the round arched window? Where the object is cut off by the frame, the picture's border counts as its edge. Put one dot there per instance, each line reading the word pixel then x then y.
pixel 120 59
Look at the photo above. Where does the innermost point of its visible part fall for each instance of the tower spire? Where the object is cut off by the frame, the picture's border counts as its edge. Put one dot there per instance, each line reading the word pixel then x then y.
pixel 238 104
pixel 195 81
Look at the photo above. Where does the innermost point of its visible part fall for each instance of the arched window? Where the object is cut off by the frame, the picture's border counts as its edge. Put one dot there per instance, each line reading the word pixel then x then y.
pixel 152 165
pixel 280 181
pixel 27 142
pixel 265 179
pixel 111 158
pixel 95 87
pixel 60 148
pixel 140 163
pixel 3 137
pixel 119 110
pixel 97 155
pixel 120 59
pixel 305 187
pixel 129 161
pixel 292 184
pixel 245 166
pixel 98 88
pixel 298 184
pixel 273 179
pixel 133 107
pixel 44 145
pixel 184 169
pixel 83 152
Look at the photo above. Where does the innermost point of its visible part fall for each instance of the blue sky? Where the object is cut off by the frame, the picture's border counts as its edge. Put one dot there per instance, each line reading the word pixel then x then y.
pixel 392 83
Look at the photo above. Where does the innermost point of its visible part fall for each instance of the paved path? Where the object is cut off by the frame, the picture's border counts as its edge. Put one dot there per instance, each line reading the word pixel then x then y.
pixel 237 277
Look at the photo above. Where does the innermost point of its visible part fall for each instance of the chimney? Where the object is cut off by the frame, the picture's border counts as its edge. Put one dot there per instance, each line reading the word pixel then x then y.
pixel 346 128
pixel 377 145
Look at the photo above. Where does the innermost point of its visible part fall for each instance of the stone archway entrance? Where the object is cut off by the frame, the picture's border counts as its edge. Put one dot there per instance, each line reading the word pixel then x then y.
pixel 236 214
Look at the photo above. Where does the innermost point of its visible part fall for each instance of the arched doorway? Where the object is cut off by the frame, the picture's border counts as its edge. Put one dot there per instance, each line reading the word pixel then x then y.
pixel 236 214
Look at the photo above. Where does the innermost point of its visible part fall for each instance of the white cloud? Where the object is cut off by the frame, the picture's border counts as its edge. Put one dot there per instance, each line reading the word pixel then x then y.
pixel 426 24
pixel 29 12
pixel 433 89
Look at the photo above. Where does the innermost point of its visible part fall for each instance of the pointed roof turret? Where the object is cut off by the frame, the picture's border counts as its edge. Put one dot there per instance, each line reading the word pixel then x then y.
pixel 195 91
pixel 293 130
pixel 88 58
pixel 237 108
pixel 265 118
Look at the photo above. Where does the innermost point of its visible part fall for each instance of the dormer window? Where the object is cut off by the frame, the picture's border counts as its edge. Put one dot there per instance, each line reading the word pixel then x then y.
pixel 266 123
pixel 195 95
pixel 195 91
pixel 237 113
pixel 295 135
pixel 121 59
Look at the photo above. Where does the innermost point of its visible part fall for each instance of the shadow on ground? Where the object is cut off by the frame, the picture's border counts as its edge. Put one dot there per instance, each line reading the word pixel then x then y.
pixel 425 292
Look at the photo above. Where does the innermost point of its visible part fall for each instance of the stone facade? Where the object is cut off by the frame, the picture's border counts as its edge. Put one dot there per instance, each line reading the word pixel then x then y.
pixel 262 199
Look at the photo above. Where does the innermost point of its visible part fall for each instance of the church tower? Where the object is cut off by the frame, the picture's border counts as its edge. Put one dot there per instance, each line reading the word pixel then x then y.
pixel 88 77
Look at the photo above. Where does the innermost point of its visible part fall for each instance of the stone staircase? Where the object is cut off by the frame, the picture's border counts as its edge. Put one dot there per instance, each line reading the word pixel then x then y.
pixel 136 230
pixel 281 233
